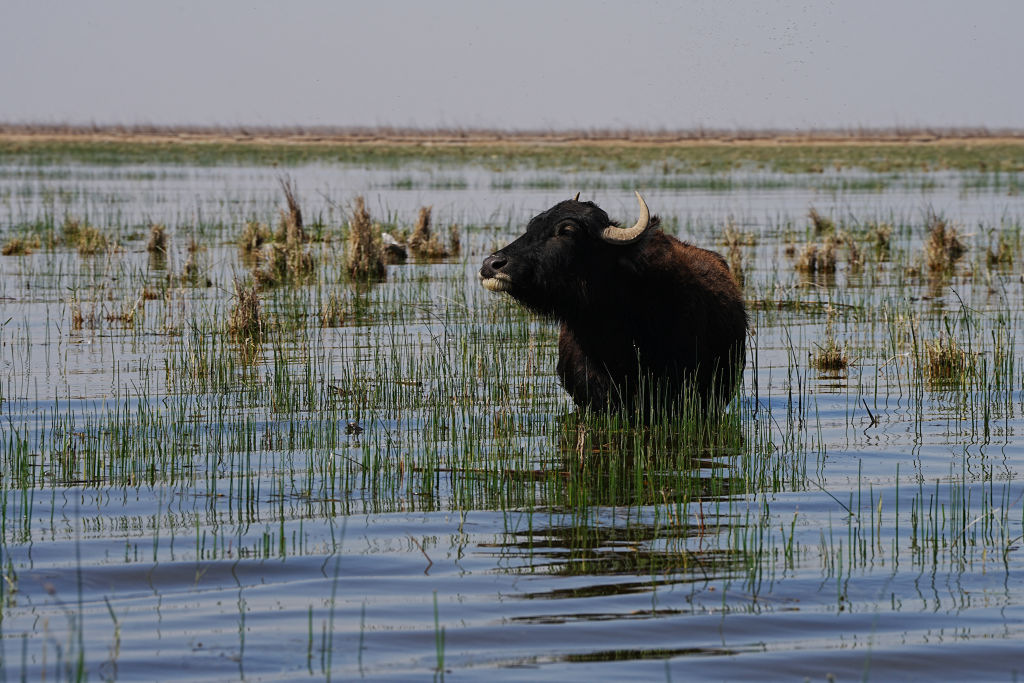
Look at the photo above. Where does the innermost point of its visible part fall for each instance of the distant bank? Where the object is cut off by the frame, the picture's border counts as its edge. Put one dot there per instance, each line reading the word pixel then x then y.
pixel 470 136
pixel 668 153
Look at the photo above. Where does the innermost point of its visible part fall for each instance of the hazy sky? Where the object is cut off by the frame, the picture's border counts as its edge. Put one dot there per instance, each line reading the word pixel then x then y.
pixel 525 65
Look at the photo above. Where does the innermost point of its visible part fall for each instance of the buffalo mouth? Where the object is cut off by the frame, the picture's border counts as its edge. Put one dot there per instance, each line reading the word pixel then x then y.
pixel 499 282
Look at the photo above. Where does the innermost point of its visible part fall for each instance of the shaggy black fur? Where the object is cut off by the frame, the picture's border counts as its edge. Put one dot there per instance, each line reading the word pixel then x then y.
pixel 652 324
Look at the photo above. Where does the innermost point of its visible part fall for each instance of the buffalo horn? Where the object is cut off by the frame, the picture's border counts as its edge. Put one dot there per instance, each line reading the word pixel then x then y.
pixel 616 235
pixel 577 197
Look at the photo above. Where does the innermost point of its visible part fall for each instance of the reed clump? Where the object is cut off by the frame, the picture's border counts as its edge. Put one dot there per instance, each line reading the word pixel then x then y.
pixel 879 236
pixel 254 236
pixel 286 259
pixel 422 243
pixel 944 246
pixel 815 258
pixel 128 314
pixel 364 258
pixel 454 240
pixel 734 240
pixel 332 312
pixel 946 361
pixel 158 240
pixel 77 317
pixel 822 225
pixel 289 227
pixel 194 273
pixel 246 321
pixel 1002 254
pixel 86 239
pixel 20 246
pixel 854 256
pixel 831 356
pixel 734 237
pixel 283 263
pixel 734 256
pixel 80 318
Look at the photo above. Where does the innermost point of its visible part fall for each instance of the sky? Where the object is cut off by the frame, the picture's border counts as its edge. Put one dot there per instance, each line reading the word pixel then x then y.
pixel 525 65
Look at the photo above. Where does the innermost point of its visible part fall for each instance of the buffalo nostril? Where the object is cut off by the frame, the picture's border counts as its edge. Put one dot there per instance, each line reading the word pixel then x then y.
pixel 492 264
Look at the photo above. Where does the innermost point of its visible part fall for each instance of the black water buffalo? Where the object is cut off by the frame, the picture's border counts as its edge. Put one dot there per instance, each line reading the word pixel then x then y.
pixel 647 321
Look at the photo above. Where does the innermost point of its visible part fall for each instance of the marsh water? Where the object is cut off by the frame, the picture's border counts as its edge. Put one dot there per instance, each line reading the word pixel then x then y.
pixel 404 491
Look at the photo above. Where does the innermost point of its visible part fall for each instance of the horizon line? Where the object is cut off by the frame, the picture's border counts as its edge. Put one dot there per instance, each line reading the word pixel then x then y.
pixel 324 133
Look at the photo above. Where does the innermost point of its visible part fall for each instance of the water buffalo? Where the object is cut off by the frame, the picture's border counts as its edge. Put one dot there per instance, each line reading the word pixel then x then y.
pixel 648 322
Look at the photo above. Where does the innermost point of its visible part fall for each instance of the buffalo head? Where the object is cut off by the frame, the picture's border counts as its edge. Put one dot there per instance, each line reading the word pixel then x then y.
pixel 552 267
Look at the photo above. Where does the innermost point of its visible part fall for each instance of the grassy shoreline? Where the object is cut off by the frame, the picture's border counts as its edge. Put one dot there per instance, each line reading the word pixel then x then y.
pixel 714 152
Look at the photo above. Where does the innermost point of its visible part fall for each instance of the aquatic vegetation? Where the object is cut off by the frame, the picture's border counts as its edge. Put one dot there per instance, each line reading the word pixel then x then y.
pixel 817 258
pixel 944 246
pixel 87 239
pixel 388 476
pixel 947 361
pixel 364 258
pixel 254 235
pixel 20 246
pixel 158 239
pixel 423 243
pixel 246 320
pixel 830 356
pixel 821 225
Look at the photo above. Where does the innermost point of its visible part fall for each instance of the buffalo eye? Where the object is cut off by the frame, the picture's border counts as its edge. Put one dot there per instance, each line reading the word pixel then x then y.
pixel 565 229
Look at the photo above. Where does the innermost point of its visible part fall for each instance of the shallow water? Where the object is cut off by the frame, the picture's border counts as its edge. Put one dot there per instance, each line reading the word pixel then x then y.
pixel 177 508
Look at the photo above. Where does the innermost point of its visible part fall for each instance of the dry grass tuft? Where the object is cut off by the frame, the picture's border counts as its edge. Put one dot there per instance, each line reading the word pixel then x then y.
pixel 817 259
pixel 947 362
pixel 1002 254
pixel 290 228
pixel 880 237
pixel 129 314
pixel 77 317
pixel 734 237
pixel 80 318
pixel 332 312
pixel 20 246
pixel 254 236
pixel 157 244
pixel 91 241
pixel 422 243
pixel 283 263
pixel 364 259
pixel 286 260
pixel 854 256
pixel 944 247
pixel 192 273
pixel 87 239
pixel 831 357
pixel 246 321
pixel 735 258
pixel 822 224
pixel 454 240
